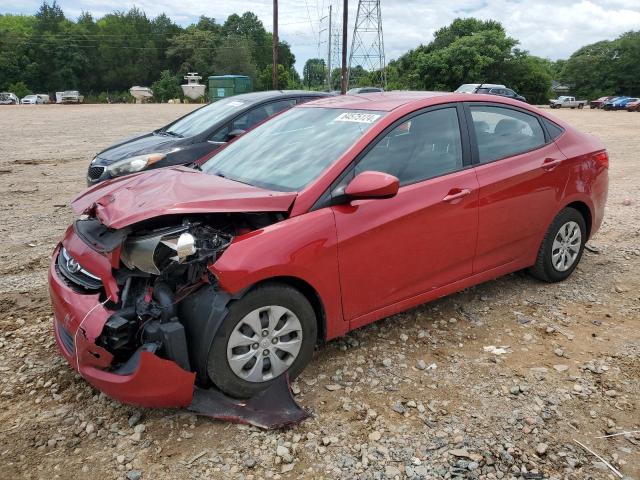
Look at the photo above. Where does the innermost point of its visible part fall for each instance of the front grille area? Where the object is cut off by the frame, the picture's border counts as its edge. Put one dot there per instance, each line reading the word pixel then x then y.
pixel 95 172
pixel 66 339
pixel 75 276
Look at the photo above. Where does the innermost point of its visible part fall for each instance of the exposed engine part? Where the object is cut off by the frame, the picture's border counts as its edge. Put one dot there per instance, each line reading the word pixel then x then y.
pixel 163 294
pixel 172 340
pixel 155 251
pixel 119 334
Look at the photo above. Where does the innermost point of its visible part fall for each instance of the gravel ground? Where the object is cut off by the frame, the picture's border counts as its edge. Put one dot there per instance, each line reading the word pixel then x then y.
pixel 418 395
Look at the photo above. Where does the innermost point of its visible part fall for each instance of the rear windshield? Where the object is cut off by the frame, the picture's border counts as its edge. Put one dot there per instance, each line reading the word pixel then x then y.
pixel 293 149
pixel 204 118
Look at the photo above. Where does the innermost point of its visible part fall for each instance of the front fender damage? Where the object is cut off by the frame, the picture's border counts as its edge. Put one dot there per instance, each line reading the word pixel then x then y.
pixel 147 380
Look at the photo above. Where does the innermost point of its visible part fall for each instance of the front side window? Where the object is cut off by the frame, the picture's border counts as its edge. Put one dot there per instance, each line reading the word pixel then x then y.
pixel 293 149
pixel 502 132
pixel 426 146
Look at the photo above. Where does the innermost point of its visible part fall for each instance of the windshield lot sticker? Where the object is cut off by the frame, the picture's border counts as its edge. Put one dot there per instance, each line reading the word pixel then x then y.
pixel 235 103
pixel 357 117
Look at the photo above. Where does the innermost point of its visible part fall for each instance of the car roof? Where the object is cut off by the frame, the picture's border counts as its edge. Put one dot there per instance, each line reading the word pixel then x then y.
pixel 271 94
pixel 383 101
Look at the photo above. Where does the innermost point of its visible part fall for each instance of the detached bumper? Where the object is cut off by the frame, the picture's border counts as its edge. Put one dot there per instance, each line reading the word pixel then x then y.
pixel 78 321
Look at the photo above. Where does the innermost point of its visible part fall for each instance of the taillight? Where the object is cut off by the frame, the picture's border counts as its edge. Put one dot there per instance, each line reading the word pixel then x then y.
pixel 602 158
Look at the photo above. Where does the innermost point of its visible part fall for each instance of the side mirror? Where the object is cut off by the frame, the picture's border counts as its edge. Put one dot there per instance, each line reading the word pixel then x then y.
pixel 235 133
pixel 372 185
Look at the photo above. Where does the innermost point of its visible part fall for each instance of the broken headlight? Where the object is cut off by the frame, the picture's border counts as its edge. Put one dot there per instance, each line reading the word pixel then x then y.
pixel 153 252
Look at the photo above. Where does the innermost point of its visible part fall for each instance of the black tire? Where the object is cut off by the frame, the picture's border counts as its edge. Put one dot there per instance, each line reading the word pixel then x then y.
pixel 218 367
pixel 543 269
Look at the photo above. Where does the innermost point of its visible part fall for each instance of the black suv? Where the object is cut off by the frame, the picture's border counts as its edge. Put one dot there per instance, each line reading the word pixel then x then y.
pixel 501 91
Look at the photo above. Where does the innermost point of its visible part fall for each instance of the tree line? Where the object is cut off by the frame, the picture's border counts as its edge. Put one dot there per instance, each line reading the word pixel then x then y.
pixel 476 51
pixel 102 58
pixel 48 52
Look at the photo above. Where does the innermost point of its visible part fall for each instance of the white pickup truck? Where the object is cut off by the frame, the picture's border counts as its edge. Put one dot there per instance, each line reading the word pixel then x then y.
pixel 567 102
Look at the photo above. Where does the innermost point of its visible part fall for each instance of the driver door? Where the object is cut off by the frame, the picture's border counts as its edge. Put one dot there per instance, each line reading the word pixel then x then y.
pixel 390 250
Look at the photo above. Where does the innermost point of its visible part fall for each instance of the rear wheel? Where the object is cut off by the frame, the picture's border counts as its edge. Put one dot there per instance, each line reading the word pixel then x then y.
pixel 562 247
pixel 269 332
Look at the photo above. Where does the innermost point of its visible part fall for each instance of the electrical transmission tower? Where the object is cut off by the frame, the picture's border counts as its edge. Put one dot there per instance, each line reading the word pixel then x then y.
pixel 336 46
pixel 367 44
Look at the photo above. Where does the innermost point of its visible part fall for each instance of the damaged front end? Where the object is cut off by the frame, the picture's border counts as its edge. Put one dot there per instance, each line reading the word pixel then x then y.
pixel 136 310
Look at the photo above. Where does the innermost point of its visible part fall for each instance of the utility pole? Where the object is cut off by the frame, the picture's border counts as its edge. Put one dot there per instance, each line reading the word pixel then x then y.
pixel 329 52
pixel 274 73
pixel 345 24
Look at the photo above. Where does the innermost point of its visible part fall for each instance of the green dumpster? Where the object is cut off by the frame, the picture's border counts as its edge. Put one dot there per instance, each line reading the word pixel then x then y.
pixel 221 86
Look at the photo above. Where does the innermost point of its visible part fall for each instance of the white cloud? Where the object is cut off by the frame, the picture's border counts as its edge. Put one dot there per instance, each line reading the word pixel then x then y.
pixel 548 28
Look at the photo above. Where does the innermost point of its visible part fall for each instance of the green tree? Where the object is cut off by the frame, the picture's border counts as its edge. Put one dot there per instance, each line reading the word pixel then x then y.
pixel 166 88
pixel 314 73
pixel 234 57
pixel 194 50
pixel 20 89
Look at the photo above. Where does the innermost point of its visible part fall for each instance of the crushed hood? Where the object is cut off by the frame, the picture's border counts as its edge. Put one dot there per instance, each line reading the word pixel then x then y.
pixel 172 191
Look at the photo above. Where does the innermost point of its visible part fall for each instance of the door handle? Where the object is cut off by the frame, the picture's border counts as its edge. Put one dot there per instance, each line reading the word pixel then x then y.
pixel 550 163
pixel 456 194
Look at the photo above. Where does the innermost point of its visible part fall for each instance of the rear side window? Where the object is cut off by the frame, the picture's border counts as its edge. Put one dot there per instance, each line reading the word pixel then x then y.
pixel 260 113
pixel 554 130
pixel 502 132
pixel 426 146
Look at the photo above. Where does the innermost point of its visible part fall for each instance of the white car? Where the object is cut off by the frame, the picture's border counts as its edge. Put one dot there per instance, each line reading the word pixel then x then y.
pixel 473 87
pixel 8 98
pixel 31 100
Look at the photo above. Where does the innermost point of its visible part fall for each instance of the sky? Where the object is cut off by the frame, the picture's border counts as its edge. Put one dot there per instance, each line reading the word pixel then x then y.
pixel 548 28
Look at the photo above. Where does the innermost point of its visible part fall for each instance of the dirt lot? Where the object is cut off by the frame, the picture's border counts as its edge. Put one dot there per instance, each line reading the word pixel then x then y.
pixel 415 395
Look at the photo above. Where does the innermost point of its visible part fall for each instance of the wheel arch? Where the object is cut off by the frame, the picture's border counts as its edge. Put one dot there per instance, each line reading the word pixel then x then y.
pixel 309 293
pixel 585 211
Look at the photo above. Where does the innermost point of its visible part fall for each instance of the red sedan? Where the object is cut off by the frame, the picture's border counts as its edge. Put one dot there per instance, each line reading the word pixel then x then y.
pixel 328 217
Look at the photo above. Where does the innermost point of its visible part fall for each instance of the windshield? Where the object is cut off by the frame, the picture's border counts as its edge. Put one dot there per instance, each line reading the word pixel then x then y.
pixel 466 88
pixel 204 118
pixel 288 152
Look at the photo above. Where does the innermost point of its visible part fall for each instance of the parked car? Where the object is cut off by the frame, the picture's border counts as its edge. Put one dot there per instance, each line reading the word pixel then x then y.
pixel 31 100
pixel 633 106
pixel 69 96
pixel 620 104
pixel 355 91
pixel 567 102
pixel 490 89
pixel 44 97
pixel 8 98
pixel 194 135
pixel 608 105
pixel 472 87
pixel 599 102
pixel 332 215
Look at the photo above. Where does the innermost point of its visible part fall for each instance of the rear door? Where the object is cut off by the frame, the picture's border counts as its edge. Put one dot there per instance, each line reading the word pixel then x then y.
pixel 393 249
pixel 521 174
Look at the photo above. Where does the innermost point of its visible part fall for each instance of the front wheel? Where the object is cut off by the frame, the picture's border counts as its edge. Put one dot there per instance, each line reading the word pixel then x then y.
pixel 561 247
pixel 270 331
